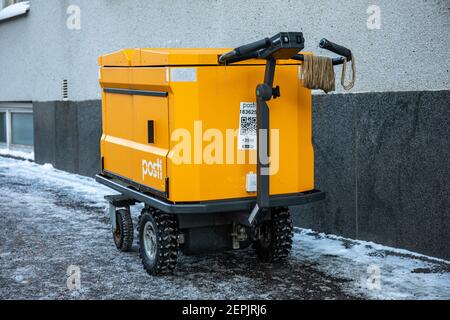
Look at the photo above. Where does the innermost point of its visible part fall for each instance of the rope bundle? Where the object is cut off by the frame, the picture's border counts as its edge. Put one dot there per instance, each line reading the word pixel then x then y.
pixel 317 72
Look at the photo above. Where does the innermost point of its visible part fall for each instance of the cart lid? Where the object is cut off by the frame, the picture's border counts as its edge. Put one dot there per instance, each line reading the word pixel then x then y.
pixel 153 57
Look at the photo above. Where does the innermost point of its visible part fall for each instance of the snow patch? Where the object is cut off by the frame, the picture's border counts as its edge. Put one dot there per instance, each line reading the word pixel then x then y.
pixel 15 10
pixel 376 271
pixel 17 154
pixel 79 186
pixel 47 166
pixel 23 275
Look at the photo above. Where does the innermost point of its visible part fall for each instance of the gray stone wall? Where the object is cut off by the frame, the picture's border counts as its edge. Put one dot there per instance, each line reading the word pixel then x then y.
pixel 67 135
pixel 383 159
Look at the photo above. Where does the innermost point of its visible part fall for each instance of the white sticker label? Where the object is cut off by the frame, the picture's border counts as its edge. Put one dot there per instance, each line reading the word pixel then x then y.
pixel 251 182
pixel 183 74
pixel 247 126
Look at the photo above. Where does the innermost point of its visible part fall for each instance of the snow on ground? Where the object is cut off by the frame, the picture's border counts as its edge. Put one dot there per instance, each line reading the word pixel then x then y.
pixel 21 154
pixel 54 219
pixel 377 271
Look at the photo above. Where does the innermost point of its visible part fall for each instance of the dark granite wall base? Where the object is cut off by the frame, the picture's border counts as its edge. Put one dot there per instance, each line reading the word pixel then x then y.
pixel 382 158
pixel 67 135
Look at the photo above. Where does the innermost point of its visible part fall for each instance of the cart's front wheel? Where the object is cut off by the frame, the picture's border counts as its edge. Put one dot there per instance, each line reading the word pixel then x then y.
pixel 123 234
pixel 274 241
pixel 158 241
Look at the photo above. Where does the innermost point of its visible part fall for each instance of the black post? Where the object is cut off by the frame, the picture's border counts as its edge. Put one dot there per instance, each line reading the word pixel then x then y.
pixel 262 178
pixel 264 92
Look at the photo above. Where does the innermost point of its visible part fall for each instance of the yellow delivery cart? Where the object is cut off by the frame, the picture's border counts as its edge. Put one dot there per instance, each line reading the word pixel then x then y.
pixel 191 134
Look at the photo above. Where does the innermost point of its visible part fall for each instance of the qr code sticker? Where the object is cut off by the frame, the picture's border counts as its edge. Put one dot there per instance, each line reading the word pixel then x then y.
pixel 247 126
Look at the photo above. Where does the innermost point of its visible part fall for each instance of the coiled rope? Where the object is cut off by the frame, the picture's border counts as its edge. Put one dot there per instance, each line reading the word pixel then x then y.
pixel 351 83
pixel 317 72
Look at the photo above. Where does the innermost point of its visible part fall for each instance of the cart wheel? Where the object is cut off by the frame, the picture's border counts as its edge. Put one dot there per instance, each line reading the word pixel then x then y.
pixel 275 236
pixel 123 235
pixel 158 241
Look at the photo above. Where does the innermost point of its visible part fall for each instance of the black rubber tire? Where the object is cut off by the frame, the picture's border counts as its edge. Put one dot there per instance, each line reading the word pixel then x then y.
pixel 276 242
pixel 166 227
pixel 123 235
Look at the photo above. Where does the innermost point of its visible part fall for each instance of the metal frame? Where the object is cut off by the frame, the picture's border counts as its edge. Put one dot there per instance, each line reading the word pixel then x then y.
pixel 126 181
pixel 117 201
pixel 284 45
pixel 263 126
pixel 130 194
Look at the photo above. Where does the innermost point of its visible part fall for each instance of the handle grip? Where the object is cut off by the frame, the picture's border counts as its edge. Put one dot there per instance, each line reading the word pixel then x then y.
pixel 245 50
pixel 254 46
pixel 333 47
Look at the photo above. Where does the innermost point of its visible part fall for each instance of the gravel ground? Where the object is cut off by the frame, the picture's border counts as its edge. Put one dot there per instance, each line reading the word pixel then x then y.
pixel 47 228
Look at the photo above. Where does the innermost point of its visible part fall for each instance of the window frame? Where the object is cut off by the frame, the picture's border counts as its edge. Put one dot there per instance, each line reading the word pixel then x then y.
pixel 9 109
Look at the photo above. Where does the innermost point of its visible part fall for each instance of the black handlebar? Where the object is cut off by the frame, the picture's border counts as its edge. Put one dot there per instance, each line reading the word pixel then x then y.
pixel 333 47
pixel 336 61
pixel 237 58
pixel 289 43
pixel 283 45
pixel 247 49
pixel 254 46
pixel 346 54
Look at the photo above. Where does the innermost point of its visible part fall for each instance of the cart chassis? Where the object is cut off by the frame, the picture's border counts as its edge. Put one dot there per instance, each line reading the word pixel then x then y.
pixel 129 195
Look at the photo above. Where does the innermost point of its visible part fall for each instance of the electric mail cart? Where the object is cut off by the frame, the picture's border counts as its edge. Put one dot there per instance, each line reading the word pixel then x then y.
pixel 161 109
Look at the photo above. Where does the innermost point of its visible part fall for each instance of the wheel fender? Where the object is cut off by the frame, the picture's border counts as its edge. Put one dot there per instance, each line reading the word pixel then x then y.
pixel 112 214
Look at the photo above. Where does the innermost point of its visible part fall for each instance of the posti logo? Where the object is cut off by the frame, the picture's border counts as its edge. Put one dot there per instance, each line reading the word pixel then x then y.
pixel 152 169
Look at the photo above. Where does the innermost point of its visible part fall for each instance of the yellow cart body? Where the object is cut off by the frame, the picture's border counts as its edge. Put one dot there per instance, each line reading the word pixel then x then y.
pixel 151 96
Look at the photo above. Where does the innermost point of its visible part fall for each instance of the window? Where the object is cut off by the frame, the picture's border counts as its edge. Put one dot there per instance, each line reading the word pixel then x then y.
pixel 22 128
pixel 16 127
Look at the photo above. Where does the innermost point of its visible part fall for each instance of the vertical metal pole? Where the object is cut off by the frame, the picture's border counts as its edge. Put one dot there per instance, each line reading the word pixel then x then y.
pixel 263 93
pixel 270 72
pixel 8 129
pixel 263 126
pixel 262 178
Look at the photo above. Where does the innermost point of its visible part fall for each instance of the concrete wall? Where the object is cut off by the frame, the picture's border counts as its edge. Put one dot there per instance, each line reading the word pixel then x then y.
pixel 67 134
pixel 38 51
pixel 382 158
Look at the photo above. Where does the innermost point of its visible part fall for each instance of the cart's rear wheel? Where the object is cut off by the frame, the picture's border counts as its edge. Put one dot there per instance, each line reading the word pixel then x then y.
pixel 123 234
pixel 158 241
pixel 275 236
